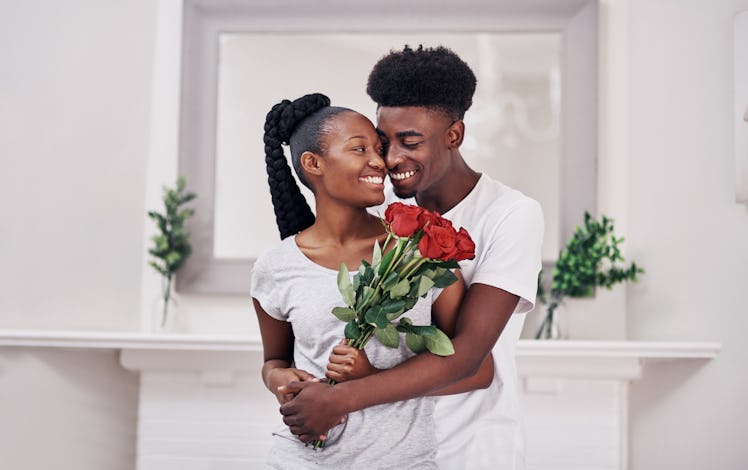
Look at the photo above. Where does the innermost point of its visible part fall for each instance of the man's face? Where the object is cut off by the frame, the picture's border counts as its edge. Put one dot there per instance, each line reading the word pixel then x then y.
pixel 416 145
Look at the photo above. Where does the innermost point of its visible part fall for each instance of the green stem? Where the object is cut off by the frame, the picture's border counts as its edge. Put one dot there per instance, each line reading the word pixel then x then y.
pixel 412 266
pixel 167 295
pixel 546 327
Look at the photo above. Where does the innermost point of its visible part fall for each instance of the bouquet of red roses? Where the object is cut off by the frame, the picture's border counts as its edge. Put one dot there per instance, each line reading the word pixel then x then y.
pixel 425 250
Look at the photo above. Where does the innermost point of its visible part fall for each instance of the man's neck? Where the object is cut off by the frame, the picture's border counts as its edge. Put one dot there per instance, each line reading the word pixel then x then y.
pixel 450 192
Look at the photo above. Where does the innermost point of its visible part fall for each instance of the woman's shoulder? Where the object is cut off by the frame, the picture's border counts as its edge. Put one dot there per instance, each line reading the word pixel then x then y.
pixel 280 253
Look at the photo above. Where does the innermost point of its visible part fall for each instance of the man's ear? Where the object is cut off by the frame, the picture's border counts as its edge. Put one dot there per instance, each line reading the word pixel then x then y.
pixel 311 163
pixel 455 134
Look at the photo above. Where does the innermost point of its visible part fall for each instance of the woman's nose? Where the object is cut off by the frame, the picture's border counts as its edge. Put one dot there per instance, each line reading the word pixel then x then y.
pixel 377 163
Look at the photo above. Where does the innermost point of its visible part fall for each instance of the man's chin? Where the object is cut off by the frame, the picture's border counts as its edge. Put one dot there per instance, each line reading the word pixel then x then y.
pixel 404 194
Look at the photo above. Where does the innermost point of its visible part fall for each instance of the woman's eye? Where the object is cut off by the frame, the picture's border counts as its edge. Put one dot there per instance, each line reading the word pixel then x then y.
pixel 359 149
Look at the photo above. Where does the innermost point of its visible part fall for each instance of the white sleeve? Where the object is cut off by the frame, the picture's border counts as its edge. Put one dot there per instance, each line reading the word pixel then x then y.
pixel 264 289
pixel 512 259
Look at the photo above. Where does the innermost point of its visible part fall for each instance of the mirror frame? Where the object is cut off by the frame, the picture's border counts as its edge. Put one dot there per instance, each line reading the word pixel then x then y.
pixel 204 20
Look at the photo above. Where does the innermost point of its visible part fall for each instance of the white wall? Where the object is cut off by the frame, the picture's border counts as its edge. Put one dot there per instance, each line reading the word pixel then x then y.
pixel 74 114
pixel 686 229
pixel 74 119
pixel 66 410
pixel 75 94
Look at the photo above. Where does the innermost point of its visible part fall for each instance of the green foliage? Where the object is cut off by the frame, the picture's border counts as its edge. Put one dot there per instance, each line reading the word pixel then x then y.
pixel 588 260
pixel 171 246
pixel 381 292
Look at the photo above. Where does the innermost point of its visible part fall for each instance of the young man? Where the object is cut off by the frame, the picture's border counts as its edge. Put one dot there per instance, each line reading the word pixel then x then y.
pixel 422 96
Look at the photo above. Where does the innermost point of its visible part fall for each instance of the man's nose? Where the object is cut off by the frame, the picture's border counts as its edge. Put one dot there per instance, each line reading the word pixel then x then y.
pixel 393 157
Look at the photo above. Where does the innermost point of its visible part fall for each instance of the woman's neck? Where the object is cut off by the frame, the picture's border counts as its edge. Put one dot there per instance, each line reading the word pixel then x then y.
pixel 338 225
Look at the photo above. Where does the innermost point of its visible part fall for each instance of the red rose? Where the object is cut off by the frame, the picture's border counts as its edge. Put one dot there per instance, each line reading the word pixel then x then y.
pixel 403 219
pixel 465 245
pixel 438 242
pixel 428 217
pixel 440 221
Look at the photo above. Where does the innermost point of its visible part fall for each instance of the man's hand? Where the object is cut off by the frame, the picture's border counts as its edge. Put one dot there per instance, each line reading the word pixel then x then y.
pixel 279 377
pixel 315 409
pixel 348 363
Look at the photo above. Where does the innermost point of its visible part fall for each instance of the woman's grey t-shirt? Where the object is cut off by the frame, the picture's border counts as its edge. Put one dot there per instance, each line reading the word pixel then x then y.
pixel 290 287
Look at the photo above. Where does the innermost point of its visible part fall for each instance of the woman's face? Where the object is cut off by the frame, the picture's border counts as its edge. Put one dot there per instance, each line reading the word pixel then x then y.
pixel 353 165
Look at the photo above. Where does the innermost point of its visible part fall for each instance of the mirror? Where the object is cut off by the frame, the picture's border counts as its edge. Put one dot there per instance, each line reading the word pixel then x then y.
pixel 533 124
pixel 512 129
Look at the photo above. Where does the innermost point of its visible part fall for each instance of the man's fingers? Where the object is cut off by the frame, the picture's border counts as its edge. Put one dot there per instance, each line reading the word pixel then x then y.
pixel 296 386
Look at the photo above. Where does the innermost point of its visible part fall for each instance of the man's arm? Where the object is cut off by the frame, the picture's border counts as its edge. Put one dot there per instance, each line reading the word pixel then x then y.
pixel 318 407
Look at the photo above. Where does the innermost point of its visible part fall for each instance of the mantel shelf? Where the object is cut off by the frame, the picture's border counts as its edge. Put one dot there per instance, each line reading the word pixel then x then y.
pixel 647 350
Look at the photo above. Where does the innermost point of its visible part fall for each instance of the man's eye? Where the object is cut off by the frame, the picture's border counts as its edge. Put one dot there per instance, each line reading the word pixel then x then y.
pixel 410 145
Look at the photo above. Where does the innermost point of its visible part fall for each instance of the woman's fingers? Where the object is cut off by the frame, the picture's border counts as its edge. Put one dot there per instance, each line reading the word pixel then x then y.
pixel 343 350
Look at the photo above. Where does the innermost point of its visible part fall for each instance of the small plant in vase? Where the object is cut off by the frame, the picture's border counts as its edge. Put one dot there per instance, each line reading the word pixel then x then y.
pixel 171 246
pixel 588 260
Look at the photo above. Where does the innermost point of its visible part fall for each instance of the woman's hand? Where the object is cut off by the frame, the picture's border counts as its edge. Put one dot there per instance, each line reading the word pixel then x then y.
pixel 279 377
pixel 348 363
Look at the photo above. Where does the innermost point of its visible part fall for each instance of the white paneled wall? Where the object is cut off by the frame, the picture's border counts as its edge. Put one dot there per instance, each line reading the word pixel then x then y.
pixel 202 410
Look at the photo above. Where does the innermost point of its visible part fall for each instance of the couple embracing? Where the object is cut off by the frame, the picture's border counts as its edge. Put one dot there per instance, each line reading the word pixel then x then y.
pixel 392 408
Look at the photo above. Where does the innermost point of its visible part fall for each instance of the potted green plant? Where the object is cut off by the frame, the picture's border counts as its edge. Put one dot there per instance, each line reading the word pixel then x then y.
pixel 589 260
pixel 171 245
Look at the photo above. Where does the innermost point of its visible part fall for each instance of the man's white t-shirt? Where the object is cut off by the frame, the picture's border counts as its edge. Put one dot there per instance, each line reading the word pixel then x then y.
pixel 482 429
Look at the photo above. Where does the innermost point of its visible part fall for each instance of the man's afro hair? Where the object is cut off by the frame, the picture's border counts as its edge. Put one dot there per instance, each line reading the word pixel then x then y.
pixel 431 77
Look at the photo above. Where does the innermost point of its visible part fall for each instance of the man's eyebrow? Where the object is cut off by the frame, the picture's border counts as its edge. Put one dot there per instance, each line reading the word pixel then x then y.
pixel 409 133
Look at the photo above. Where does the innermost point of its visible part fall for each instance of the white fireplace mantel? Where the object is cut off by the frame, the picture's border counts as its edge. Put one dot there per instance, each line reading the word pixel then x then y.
pixel 202 404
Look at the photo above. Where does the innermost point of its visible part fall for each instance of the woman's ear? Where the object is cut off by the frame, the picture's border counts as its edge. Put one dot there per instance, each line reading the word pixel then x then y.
pixel 311 163
pixel 455 134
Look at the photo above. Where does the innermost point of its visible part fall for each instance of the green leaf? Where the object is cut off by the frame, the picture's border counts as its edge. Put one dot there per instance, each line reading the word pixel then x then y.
pixel 429 273
pixel 449 264
pixel 388 336
pixel 366 294
pixel 393 309
pixel 344 314
pixel 376 257
pixel 352 331
pixel 344 285
pixel 415 342
pixel 368 275
pixel 439 344
pixel 400 289
pixel 391 280
pixel 445 279
pixel 375 316
pixel 424 285
pixel 386 260
pixel 410 302
pixel 391 306
pixel 424 330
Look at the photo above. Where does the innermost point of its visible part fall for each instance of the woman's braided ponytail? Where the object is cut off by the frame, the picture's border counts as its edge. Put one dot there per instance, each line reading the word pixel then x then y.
pixel 292 212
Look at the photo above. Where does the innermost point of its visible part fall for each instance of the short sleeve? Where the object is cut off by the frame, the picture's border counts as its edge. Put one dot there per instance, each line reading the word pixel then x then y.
pixel 263 289
pixel 512 260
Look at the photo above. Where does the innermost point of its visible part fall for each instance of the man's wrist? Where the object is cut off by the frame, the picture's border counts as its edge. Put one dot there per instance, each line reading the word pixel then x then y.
pixel 345 397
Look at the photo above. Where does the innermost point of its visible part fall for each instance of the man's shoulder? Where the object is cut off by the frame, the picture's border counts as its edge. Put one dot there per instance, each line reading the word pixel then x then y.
pixel 497 200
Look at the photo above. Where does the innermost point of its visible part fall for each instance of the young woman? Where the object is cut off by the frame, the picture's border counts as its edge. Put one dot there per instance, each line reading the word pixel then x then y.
pixel 337 153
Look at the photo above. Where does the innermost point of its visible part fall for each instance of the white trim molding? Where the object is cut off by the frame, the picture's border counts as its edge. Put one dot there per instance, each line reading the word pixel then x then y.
pixel 202 404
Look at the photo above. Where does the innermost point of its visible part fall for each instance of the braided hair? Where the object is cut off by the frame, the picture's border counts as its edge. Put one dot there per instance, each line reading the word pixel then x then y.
pixel 302 124
pixel 431 77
